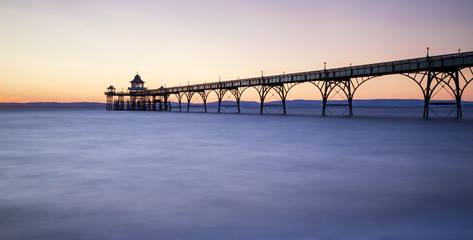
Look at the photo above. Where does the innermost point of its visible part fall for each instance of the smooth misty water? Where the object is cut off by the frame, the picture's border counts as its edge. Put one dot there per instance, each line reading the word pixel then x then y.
pixel 91 174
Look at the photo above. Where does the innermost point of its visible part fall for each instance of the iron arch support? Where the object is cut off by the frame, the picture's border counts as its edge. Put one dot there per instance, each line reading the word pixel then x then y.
pixel 179 99
pixel 465 79
pixel 237 93
pixel 220 94
pixel 282 90
pixel 432 82
pixel 262 92
pixel 327 87
pixel 203 95
pixel 189 96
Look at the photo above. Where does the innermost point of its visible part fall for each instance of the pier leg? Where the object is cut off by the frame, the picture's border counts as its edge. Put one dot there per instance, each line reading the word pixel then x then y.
pixel 188 104
pixel 154 103
pixel 426 107
pixel 350 106
pixel 325 97
pixel 284 105
pixel 220 95
pixel 282 90
pixel 166 107
pixel 238 104
pixel 459 108
pixel 261 108
pixel 458 94
pixel 237 94
pixel 324 105
pixel 427 95
pixel 349 97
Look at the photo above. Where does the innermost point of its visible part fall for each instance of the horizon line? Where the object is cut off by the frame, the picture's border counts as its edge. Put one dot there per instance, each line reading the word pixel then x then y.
pixel 371 99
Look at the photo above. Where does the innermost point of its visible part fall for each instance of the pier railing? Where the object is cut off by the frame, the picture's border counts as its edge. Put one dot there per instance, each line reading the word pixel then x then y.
pixel 384 68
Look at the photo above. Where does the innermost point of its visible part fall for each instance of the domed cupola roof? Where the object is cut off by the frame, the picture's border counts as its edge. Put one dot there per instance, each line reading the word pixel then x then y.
pixel 137 79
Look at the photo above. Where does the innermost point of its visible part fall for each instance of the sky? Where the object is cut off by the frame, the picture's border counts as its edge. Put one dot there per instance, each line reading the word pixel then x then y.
pixel 71 51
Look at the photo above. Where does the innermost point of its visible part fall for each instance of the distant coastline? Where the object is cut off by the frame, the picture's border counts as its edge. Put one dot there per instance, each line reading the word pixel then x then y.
pixel 52 105
pixel 368 103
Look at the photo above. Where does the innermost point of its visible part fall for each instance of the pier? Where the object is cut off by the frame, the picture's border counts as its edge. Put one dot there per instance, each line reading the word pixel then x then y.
pixel 452 72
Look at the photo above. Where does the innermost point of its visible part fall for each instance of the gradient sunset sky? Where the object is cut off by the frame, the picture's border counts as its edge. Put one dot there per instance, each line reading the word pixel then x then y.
pixel 69 51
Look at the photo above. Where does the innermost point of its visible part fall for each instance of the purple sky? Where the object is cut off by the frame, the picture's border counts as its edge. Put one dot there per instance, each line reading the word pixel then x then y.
pixel 72 50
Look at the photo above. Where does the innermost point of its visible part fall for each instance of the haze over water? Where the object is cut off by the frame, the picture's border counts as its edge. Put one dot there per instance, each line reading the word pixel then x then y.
pixel 92 174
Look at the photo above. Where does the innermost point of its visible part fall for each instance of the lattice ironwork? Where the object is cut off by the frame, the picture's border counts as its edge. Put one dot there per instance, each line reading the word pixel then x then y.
pixel 451 80
pixel 237 92
pixel 280 89
pixel 178 99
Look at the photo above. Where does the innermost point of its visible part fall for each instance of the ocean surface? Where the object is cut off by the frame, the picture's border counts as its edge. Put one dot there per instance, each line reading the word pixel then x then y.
pixel 92 174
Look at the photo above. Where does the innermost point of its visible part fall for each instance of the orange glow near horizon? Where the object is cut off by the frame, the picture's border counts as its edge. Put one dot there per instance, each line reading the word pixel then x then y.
pixel 61 51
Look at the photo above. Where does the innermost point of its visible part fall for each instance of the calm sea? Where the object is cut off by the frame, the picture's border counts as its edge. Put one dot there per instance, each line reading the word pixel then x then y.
pixel 92 174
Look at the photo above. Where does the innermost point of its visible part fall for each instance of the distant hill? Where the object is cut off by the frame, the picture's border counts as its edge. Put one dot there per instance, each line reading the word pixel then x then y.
pixel 53 105
pixel 371 103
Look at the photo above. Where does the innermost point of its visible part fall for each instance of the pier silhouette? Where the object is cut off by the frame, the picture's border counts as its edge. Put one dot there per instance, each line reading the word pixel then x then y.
pixel 451 72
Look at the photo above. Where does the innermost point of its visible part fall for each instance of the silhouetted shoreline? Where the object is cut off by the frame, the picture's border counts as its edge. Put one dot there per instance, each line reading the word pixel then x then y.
pixel 53 105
